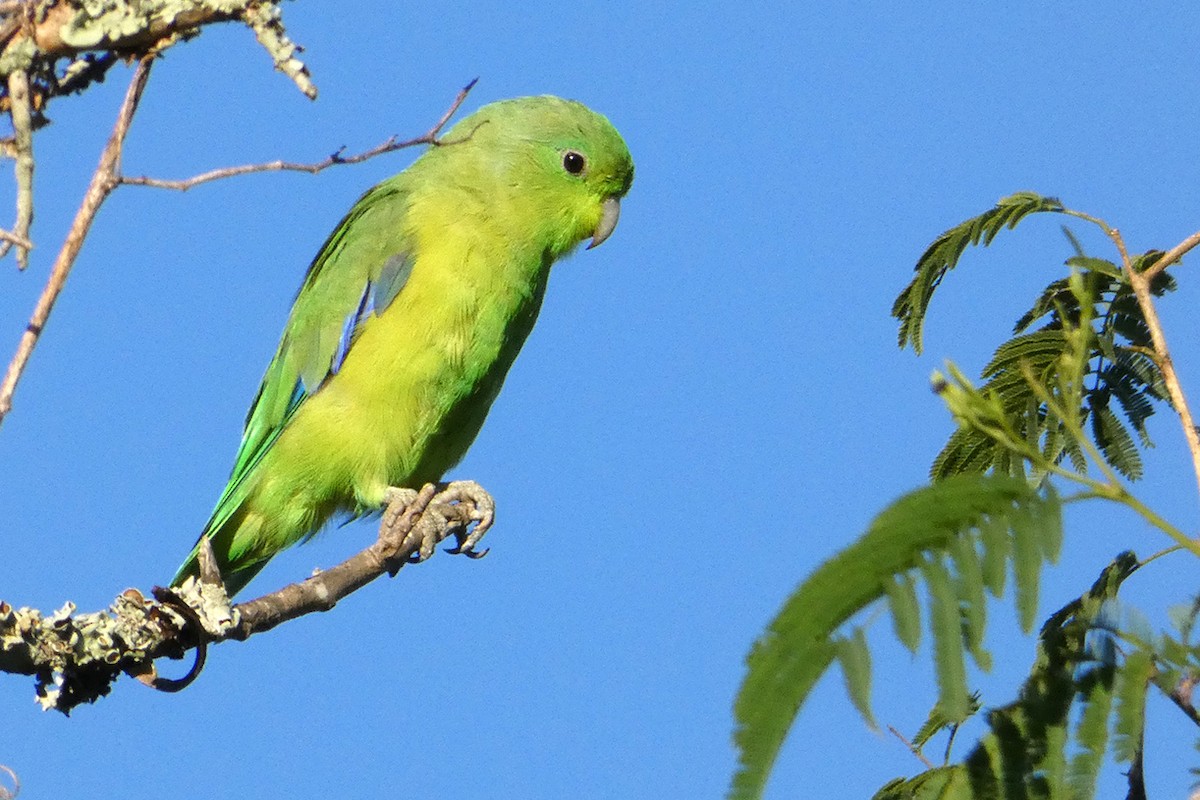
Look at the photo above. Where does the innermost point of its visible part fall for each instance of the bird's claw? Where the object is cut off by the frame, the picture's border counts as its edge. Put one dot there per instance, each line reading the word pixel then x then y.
pixel 471 514
pixel 461 549
pixel 462 509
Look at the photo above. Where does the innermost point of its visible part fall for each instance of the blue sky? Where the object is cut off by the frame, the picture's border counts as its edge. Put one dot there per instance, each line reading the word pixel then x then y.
pixel 711 404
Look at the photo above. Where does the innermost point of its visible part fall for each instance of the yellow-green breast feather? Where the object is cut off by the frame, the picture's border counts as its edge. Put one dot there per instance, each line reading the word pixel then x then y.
pixel 410 317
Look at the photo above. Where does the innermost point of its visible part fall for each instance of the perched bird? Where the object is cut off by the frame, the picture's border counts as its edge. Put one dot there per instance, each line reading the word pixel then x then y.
pixel 409 319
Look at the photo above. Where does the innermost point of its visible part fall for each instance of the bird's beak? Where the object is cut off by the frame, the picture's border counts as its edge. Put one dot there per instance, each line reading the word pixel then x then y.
pixel 610 212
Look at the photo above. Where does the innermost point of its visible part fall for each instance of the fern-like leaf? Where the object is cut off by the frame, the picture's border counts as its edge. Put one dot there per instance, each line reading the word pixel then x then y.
pixel 1091 331
pixel 943 255
pixel 1114 440
pixel 1025 752
pixel 798 646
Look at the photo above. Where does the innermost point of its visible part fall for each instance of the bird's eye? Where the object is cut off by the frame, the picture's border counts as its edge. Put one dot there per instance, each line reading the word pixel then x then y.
pixel 574 162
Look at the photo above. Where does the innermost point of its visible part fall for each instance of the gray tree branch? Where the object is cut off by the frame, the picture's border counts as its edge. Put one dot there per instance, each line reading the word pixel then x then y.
pixel 75 658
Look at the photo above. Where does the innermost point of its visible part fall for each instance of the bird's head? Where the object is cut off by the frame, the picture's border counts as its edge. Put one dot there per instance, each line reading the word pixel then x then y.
pixel 556 160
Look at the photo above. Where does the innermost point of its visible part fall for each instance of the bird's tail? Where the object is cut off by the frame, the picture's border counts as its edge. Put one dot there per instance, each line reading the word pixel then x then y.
pixel 221 536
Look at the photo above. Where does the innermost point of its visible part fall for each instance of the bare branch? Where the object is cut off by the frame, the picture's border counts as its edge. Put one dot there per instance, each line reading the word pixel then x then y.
pixel 7 793
pixel 1140 281
pixel 22 122
pixel 1171 256
pixel 104 180
pixel 430 137
pixel 76 658
pixel 1181 696
pixel 20 241
pixel 911 748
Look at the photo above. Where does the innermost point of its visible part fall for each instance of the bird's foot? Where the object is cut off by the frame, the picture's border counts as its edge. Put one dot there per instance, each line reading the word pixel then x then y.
pixel 470 512
pixel 462 509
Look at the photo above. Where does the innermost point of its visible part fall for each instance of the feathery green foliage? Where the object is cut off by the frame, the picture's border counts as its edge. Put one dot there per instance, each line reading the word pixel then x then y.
pixel 1027 750
pixel 1113 365
pixel 1090 350
pixel 1132 682
pixel 915 535
pixel 1066 399
pixel 943 255
pixel 942 783
pixel 937 721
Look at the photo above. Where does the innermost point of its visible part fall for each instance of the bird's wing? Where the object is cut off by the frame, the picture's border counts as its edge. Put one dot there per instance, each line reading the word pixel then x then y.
pixel 358 272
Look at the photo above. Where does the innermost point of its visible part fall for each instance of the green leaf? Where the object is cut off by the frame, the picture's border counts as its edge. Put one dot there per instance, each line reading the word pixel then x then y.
pixel 797 649
pixel 1133 679
pixel 968 584
pixel 943 255
pixel 1091 734
pixel 1051 769
pixel 941 783
pixel 937 721
pixel 854 657
pixel 948 657
pixel 1027 564
pixel 996 548
pixel 906 611
pixel 1049 527
pixel 1114 441
pixel 1098 265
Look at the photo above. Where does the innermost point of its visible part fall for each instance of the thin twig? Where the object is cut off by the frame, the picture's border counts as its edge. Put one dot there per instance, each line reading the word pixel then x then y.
pixel 22 123
pixel 19 241
pixel 5 792
pixel 1181 696
pixel 1171 256
pixel 430 137
pixel 928 764
pixel 104 180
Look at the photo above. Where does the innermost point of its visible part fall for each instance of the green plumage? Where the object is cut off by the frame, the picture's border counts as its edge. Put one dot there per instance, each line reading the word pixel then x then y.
pixel 410 317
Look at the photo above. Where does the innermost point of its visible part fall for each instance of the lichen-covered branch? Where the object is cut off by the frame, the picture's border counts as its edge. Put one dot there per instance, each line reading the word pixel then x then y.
pixel 40 32
pixel 39 37
pixel 75 658
pixel 266 20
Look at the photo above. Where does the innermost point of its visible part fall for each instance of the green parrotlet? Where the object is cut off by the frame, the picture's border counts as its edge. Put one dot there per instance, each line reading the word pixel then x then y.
pixel 409 319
